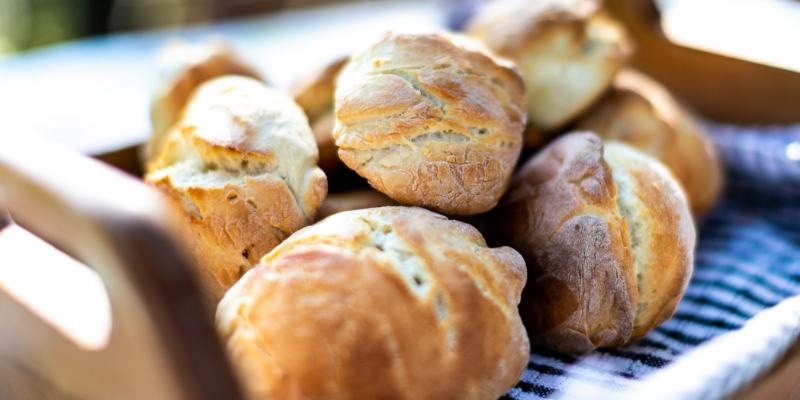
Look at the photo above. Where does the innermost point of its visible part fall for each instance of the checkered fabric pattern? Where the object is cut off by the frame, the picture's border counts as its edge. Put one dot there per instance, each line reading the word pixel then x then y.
pixel 747 259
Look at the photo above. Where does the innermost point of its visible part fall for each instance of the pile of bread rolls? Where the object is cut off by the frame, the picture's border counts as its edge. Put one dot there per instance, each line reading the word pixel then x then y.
pixel 385 297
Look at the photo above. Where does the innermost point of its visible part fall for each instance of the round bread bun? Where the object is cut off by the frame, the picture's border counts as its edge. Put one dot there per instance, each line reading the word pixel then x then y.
pixel 352 200
pixel 240 166
pixel 314 94
pixel 386 303
pixel 431 121
pixel 608 240
pixel 182 67
pixel 640 112
pixel 567 50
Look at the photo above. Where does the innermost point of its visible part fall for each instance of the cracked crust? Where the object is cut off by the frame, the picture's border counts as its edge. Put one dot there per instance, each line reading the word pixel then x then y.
pixel 608 241
pixel 638 111
pixel 240 167
pixel 387 303
pixel 567 50
pixel 431 121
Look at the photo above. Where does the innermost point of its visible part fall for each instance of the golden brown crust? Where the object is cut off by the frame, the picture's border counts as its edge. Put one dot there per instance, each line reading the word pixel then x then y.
pixel 608 241
pixel 240 167
pixel 640 112
pixel 431 122
pixel 182 68
pixel 567 51
pixel 561 215
pixel 314 94
pixel 389 303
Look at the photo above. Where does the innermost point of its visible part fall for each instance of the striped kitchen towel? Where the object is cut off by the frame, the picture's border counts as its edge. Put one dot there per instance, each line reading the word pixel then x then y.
pixel 747 259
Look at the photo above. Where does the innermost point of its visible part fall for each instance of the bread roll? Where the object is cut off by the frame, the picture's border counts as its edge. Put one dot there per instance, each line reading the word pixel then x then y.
pixel 567 50
pixel 387 303
pixel 607 238
pixel 181 68
pixel 314 94
pixel 640 112
pixel 240 166
pixel 431 121
pixel 352 200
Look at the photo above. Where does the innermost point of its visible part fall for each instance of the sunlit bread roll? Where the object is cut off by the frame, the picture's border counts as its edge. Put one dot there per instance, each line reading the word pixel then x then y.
pixel 387 303
pixel 607 237
pixel 182 67
pixel 640 112
pixel 241 168
pixel 314 94
pixel 567 50
pixel 431 120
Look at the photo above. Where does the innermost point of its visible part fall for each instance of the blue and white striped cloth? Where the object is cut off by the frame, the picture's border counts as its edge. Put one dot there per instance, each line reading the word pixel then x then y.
pixel 747 259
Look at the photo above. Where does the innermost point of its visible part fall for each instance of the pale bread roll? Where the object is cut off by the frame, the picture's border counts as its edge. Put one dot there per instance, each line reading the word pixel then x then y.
pixel 181 68
pixel 640 112
pixel 240 166
pixel 387 303
pixel 608 240
pixel 431 120
pixel 567 50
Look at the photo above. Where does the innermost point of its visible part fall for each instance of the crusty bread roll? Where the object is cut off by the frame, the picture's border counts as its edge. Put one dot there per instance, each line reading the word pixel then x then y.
pixel 241 169
pixel 567 50
pixel 387 303
pixel 607 238
pixel 314 94
pixel 352 200
pixel 640 112
pixel 181 68
pixel 431 121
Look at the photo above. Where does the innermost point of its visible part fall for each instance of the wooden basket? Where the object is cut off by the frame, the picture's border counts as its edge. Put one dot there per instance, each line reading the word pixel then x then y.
pixel 162 342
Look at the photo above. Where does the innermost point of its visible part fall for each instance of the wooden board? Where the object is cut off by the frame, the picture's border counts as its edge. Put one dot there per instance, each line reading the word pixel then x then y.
pixel 718 87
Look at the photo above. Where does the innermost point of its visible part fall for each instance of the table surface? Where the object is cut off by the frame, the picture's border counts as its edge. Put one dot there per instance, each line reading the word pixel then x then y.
pixel 94 95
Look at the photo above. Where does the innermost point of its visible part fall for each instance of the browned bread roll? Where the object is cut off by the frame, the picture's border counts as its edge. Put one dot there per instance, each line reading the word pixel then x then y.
pixel 314 94
pixel 640 112
pixel 352 200
pixel 387 303
pixel 431 121
pixel 181 68
pixel 607 238
pixel 240 166
pixel 567 50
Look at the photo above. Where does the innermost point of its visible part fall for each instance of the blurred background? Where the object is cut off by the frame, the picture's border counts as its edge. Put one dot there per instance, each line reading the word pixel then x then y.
pixel 28 24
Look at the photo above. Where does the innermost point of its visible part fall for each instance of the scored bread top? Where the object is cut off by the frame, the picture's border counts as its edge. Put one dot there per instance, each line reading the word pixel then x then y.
pixel 392 301
pixel 640 112
pixel 608 240
pixel 237 125
pixel 567 51
pixel 431 120
pixel 241 165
